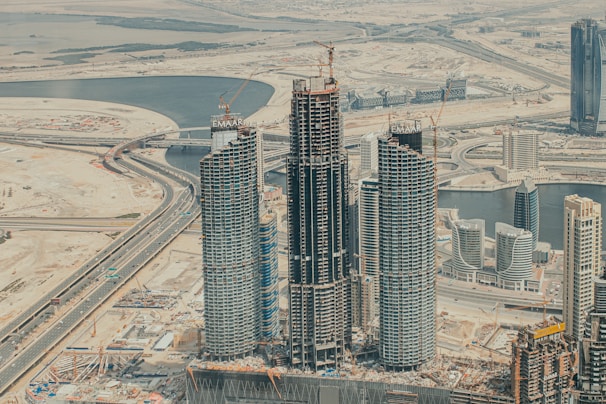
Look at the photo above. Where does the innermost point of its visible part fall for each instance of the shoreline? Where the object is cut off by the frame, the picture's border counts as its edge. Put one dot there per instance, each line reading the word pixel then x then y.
pixel 494 188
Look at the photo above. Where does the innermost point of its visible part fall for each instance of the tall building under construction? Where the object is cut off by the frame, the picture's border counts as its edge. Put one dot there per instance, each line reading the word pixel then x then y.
pixel 230 240
pixel 407 248
pixel 317 182
pixel 587 75
pixel 542 365
pixel 582 252
pixel 592 369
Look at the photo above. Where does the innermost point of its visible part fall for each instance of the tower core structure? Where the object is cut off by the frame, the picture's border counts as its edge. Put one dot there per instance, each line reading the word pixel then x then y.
pixel 317 182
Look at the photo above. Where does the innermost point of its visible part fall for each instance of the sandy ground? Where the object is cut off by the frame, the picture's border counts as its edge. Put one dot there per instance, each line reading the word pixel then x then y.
pixel 45 182
pixel 50 183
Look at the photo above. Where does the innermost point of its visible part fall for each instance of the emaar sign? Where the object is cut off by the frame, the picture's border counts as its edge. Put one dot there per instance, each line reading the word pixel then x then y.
pixel 227 123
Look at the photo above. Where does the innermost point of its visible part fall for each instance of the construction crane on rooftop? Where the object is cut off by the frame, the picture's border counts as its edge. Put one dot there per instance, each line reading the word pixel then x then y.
pixel 226 105
pixel 331 50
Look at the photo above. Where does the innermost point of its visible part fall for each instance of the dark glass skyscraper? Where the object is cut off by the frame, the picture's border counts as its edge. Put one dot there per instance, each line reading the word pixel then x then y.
pixel 587 76
pixel 526 209
pixel 317 182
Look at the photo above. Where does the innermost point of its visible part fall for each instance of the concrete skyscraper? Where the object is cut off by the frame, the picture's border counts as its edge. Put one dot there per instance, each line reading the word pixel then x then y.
pixel 582 249
pixel 521 150
pixel 592 369
pixel 542 367
pixel 514 256
pixel 318 186
pixel 587 76
pixel 467 249
pixel 407 249
pixel 526 209
pixel 369 155
pixel 368 234
pixel 268 268
pixel 520 157
pixel 230 240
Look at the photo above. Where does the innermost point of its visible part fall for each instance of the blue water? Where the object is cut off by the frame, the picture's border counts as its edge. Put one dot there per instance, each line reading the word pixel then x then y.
pixel 190 101
pixel 187 100
pixel 498 207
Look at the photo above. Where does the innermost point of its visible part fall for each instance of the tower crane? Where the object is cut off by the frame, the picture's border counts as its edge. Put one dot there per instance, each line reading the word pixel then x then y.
pixel 434 127
pixel 331 50
pixel 226 105
pixel 528 306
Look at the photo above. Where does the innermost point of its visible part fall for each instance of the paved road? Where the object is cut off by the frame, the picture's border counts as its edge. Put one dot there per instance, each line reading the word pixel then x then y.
pixel 134 250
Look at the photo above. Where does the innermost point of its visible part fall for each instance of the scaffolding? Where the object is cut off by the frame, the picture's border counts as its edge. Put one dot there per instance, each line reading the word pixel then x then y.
pixel 541 365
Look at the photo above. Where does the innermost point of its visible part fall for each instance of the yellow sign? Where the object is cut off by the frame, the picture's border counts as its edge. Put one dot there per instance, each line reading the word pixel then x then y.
pixel 543 332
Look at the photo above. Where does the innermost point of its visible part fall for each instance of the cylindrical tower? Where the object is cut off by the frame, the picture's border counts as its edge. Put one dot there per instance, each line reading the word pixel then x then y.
pixel 514 256
pixel 407 245
pixel 230 241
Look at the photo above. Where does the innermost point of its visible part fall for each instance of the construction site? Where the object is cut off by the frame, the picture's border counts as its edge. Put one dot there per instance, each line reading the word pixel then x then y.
pixel 543 363
pixel 446 380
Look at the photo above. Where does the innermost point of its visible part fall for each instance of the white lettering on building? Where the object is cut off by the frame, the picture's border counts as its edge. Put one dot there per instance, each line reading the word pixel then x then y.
pixel 227 123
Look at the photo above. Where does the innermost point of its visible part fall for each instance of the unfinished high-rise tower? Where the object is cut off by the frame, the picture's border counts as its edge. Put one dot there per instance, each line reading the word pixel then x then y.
pixel 592 377
pixel 317 182
pixel 407 248
pixel 230 240
pixel 542 365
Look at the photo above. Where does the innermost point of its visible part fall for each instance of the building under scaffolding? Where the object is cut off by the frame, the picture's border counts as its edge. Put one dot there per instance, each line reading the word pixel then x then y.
pixel 592 378
pixel 542 365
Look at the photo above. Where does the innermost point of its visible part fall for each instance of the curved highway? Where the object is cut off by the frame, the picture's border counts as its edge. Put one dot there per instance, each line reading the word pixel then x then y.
pixel 90 285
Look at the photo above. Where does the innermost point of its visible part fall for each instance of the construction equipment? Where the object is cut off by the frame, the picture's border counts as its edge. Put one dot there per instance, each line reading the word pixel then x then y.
pixel 331 50
pixel 362 258
pixel 270 375
pixel 193 379
pixel 434 126
pixel 539 304
pixel 496 314
pixel 94 333
pixel 226 105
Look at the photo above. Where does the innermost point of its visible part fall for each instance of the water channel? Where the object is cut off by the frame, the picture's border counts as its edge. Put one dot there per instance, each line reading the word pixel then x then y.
pixel 191 100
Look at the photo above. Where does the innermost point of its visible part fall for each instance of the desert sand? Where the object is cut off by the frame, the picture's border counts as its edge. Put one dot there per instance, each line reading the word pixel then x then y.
pixel 370 56
pixel 40 182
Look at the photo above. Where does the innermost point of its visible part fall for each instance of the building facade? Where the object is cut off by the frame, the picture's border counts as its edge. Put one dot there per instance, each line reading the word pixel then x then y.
pixel 268 268
pixel 319 271
pixel 369 155
pixel 407 249
pixel 521 150
pixel 467 249
pixel 592 369
pixel 520 158
pixel 230 240
pixel 526 209
pixel 514 256
pixel 587 53
pixel 368 234
pixel 582 248
pixel 542 365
